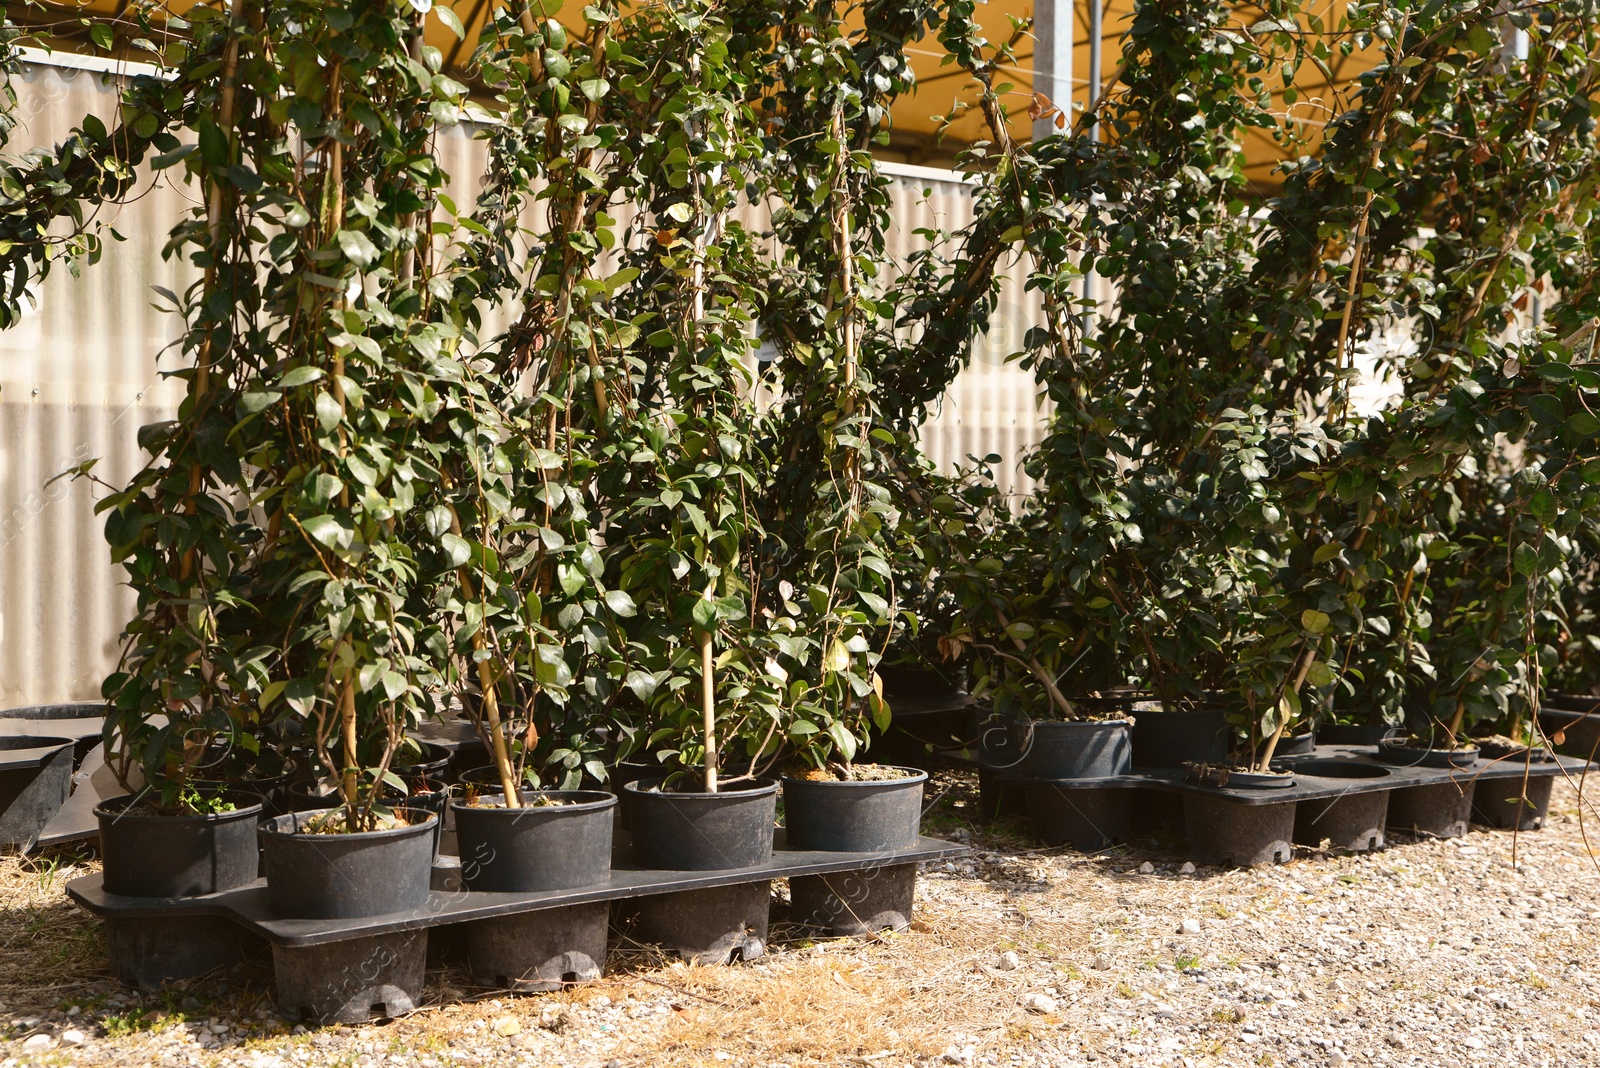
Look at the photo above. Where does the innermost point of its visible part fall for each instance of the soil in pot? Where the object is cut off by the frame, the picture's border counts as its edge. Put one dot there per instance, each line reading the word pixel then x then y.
pixel 1236 778
pixel 557 840
pixel 877 811
pixel 1081 749
pixel 1410 752
pixel 315 871
pixel 687 830
pixel 1172 739
pixel 1499 747
pixel 150 854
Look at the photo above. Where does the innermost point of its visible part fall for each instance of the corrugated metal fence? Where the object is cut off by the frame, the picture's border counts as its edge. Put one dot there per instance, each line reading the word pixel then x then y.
pixel 85 370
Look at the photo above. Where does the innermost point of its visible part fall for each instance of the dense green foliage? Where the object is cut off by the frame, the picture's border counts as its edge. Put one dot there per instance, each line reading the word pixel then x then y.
pixel 622 454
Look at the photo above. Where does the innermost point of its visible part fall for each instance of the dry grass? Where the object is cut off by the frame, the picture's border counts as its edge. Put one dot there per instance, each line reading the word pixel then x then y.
pixel 47 945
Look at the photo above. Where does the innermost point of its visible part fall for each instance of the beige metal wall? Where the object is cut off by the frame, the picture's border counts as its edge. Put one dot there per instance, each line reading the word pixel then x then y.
pixel 84 371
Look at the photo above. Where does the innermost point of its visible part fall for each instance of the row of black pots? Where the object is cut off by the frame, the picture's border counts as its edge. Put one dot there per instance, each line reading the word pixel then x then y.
pixel 531 848
pixel 1098 749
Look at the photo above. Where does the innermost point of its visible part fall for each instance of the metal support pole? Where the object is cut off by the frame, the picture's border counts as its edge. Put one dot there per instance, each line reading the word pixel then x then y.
pixel 1052 61
pixel 1090 288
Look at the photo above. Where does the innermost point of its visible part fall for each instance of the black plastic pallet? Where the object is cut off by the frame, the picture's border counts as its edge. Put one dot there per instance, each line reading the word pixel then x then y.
pixel 1252 826
pixel 1309 786
pixel 450 902
pixel 352 969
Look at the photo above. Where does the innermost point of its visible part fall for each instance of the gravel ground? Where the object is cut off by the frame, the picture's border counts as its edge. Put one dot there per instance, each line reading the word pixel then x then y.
pixel 1429 953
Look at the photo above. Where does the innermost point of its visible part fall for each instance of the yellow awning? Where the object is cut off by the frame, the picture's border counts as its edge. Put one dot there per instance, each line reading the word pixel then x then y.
pixel 917 135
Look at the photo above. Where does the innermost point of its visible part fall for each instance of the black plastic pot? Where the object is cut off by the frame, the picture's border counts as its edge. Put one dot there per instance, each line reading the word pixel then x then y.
pixel 1233 779
pixel 35 781
pixel 1502 804
pixel 148 855
pixel 1353 733
pixel 535 847
pixel 82 722
pixel 1076 750
pixel 1297 744
pixel 1351 822
pixel 427 795
pixel 1496 751
pixel 854 817
pixel 342 876
pixel 920 686
pixel 701 831
pixel 1406 756
pixel 1226 832
pixel 1333 768
pixel 1170 739
pixel 431 764
pixel 1441 810
pixel 1086 819
pixel 1578 731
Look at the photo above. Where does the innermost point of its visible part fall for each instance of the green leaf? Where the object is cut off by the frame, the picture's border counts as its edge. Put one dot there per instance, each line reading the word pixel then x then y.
pixel 1314 621
pixel 451 21
pixel 1584 425
pixel 299 376
pixel 329 413
pixel 103 36
pixel 457 550
pixel 328 531
pixel 358 248
pixel 642 683
pixel 705 614
pixel 837 658
pixel 621 603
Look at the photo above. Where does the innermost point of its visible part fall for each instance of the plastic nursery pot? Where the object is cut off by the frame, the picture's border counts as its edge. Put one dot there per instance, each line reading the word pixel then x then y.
pixel 81 721
pixel 1573 733
pixel 1074 750
pixel 1415 756
pixel 919 685
pixel 1297 744
pixel 151 855
pixel 536 847
pixel 430 763
pixel 1353 733
pixel 1170 739
pixel 341 876
pixel 875 816
pixel 684 831
pixel 1514 753
pixel 1502 803
pixel 1351 822
pixel 35 782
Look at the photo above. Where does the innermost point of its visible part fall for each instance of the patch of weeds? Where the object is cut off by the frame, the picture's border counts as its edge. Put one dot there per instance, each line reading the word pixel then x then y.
pixel 1232 962
pixel 1227 1016
pixel 1537 981
pixel 1185 961
pixel 1123 990
pixel 1070 971
pixel 1219 910
pixel 1350 880
pixel 82 1004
